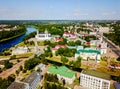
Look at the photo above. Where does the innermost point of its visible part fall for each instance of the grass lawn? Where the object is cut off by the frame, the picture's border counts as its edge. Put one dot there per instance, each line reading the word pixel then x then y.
pixel 103 63
pixel 54 59
pixel 22 44
pixel 114 72
pixel 112 86
pixel 76 81
pixel 24 55
pixel 6 57
pixel 85 66
pixel 40 43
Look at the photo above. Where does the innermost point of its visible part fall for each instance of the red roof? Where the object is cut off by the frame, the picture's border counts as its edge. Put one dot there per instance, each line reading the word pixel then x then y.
pixel 88 43
pixel 59 39
pixel 66 32
pixel 59 46
pixel 72 34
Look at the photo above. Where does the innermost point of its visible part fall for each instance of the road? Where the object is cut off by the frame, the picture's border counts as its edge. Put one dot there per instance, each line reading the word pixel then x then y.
pixel 112 46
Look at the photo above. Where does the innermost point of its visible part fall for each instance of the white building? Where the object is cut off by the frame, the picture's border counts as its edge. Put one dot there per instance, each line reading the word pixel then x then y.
pixel 93 33
pixel 43 36
pixel 103 48
pixel 104 29
pixel 90 79
pixel 88 53
pixel 63 73
pixel 20 50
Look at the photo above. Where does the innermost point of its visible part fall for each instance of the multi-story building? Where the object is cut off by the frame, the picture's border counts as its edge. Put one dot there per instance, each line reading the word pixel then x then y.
pixel 33 80
pixel 18 85
pixel 90 79
pixel 88 53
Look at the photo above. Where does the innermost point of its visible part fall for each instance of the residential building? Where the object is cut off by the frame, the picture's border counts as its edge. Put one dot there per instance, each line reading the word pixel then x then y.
pixel 18 85
pixel 103 47
pixel 62 73
pixel 59 39
pixel 33 80
pixel 57 47
pixel 43 36
pixel 104 29
pixel 90 79
pixel 68 34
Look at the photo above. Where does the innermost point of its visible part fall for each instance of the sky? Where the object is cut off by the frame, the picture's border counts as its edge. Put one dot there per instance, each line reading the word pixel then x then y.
pixel 59 9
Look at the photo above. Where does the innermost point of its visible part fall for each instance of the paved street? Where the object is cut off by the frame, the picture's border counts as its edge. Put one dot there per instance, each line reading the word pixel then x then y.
pixel 112 46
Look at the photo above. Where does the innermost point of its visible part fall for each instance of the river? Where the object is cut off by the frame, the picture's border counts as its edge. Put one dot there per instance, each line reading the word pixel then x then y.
pixel 12 42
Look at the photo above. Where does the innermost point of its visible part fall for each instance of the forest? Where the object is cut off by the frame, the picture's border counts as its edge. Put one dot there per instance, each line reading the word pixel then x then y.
pixel 6 35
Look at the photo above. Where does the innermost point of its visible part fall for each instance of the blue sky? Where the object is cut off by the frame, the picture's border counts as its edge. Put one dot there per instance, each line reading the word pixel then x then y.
pixel 59 9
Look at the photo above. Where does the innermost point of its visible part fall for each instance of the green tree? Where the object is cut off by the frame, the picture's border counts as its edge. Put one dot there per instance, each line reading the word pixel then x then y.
pixel 21 68
pixel 46 42
pixel 78 42
pixel 31 63
pixel 13 57
pixel 71 43
pixel 11 77
pixel 17 72
pixel 77 64
pixel 118 59
pixel 8 64
pixel 64 60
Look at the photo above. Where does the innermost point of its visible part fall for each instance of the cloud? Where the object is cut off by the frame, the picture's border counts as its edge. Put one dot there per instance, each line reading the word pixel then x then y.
pixel 109 13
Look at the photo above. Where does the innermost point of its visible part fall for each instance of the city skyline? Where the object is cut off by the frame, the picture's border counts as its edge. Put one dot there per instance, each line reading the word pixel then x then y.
pixel 60 10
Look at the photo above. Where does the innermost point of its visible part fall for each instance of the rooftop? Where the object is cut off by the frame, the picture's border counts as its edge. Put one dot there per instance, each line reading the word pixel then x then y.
pixel 17 85
pixel 96 74
pixel 88 51
pixel 31 77
pixel 63 71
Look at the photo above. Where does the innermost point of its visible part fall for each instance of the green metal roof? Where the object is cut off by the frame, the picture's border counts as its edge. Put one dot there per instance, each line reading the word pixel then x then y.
pixel 63 71
pixel 96 74
pixel 88 51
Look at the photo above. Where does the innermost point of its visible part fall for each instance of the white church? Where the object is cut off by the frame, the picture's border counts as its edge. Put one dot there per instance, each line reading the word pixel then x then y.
pixel 43 36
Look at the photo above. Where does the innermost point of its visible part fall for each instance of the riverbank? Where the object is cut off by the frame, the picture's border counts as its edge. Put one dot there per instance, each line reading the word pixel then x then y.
pixel 12 37
pixel 14 40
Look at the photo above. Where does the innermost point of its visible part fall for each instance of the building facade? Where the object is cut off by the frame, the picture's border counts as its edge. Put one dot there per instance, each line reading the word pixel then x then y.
pixel 90 79
pixel 85 54
pixel 33 80
pixel 20 50
pixel 43 36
